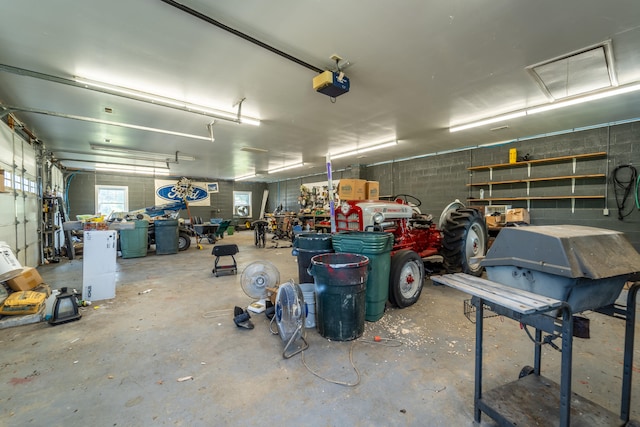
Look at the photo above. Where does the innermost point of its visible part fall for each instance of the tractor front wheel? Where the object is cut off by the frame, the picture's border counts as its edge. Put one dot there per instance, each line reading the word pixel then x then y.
pixel 464 238
pixel 406 278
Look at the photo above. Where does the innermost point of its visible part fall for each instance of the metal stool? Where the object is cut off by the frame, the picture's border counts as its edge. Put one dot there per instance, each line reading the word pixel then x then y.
pixel 225 250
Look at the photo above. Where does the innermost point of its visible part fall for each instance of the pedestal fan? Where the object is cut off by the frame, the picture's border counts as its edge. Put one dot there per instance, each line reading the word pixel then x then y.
pixel 255 279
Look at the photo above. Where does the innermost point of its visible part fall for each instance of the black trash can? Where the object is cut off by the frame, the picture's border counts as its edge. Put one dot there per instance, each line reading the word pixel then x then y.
pixel 305 247
pixel 340 282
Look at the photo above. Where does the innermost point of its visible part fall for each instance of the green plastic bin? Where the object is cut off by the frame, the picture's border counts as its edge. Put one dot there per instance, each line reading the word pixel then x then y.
pixel 166 231
pixel 340 285
pixel 230 230
pixel 134 243
pixel 305 247
pixel 376 245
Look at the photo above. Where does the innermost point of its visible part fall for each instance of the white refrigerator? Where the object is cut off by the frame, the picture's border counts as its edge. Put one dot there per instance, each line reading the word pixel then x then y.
pixel 99 265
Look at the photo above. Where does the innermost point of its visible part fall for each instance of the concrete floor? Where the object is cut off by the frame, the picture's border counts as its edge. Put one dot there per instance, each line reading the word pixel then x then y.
pixel 119 364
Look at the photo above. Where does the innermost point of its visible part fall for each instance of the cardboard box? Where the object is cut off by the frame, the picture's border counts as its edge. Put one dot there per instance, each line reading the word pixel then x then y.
pixel 372 190
pixel 494 220
pixel 518 215
pixel 352 189
pixel 26 281
pixel 501 209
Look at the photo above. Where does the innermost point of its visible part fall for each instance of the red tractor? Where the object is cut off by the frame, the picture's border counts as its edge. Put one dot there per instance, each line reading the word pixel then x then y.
pixel 458 237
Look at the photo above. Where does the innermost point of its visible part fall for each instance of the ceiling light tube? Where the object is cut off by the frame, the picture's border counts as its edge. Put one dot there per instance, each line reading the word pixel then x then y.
pixel 488 121
pixel 549 107
pixel 284 168
pixel 104 122
pixel 166 101
pixel 244 177
pixel 364 150
pixel 583 99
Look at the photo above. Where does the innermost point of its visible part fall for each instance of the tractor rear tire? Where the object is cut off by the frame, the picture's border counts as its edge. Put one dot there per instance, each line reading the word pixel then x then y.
pixel 464 237
pixel 406 278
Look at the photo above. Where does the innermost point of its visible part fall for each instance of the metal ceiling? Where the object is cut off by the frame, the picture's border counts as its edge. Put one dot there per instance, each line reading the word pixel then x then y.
pixel 416 68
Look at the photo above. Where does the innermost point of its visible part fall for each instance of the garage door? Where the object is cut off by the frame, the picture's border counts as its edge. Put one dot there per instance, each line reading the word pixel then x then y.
pixel 19 202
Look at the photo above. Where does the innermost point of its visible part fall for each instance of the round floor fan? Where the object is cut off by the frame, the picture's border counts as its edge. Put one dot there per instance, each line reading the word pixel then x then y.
pixel 255 280
pixel 290 316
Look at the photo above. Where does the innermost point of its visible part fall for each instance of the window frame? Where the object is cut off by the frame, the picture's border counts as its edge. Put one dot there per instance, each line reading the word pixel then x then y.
pixel 248 195
pixel 100 187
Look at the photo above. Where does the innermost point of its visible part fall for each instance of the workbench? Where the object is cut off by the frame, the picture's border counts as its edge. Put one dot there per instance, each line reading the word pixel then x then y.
pixel 534 399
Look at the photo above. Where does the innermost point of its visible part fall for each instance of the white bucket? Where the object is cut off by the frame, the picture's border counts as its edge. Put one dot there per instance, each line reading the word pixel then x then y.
pixel 309 295
pixel 9 265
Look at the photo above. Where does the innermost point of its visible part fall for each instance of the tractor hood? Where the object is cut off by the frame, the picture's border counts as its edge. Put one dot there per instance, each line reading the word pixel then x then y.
pixel 389 210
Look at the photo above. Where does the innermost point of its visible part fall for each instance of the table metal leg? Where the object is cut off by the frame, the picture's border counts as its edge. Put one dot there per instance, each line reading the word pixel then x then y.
pixel 537 358
pixel 478 380
pixel 565 380
pixel 629 336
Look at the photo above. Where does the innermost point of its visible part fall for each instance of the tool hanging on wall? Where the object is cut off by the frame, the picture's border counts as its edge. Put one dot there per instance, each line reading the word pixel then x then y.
pixel 624 179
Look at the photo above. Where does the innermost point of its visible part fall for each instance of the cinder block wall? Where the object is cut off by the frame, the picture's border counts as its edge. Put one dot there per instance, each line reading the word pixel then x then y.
pixel 81 195
pixel 438 180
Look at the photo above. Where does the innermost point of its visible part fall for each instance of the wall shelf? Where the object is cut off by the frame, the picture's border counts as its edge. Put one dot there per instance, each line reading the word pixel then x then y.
pixel 493 199
pixel 539 161
pixel 550 178
pixel 532 179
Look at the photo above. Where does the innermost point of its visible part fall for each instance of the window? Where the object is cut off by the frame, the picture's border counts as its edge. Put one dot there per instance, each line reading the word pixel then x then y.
pixel 110 198
pixel 242 203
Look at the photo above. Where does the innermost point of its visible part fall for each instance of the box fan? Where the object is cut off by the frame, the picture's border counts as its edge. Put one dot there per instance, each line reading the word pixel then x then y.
pixel 290 316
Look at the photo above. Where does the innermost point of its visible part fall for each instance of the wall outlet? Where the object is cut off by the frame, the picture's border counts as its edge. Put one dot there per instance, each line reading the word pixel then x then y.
pixel 605 212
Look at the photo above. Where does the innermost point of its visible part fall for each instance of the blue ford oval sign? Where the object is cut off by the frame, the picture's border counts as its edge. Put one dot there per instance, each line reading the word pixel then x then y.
pixel 168 192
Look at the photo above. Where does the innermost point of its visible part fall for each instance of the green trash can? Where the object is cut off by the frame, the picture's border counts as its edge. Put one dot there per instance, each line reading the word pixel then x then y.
pixel 305 247
pixel 166 232
pixel 376 245
pixel 230 230
pixel 340 285
pixel 134 243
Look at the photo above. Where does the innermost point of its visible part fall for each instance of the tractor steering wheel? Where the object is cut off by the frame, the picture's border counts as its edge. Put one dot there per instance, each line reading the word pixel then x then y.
pixel 406 198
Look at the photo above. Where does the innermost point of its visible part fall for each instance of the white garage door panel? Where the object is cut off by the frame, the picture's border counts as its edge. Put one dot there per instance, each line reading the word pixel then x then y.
pixel 32 251
pixel 23 209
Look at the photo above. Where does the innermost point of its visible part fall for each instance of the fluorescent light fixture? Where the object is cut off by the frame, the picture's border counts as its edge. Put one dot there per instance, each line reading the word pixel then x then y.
pixel 549 107
pixel 363 150
pixel 254 150
pixel 104 122
pixel 582 99
pixel 243 177
pixel 167 102
pixel 106 167
pixel 142 154
pixel 284 168
pixel 488 121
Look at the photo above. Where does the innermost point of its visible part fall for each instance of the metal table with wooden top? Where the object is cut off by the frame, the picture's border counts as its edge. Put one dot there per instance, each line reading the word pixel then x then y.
pixel 534 399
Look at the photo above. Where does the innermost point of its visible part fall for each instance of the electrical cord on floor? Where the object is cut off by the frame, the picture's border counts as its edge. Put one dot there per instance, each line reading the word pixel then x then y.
pixel 387 342
pixel 217 313
pixel 622 188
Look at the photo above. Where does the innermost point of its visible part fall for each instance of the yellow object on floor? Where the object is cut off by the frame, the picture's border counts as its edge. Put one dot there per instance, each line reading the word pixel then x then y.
pixel 23 302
